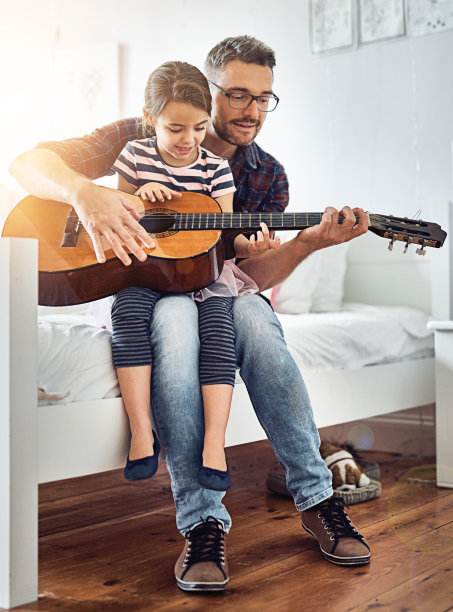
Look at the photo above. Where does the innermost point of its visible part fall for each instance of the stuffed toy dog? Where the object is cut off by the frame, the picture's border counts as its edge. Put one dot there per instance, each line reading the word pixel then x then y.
pixel 346 474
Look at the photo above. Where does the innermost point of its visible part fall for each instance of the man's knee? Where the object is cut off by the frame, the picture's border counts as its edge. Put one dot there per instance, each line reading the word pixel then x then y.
pixel 175 324
pixel 254 319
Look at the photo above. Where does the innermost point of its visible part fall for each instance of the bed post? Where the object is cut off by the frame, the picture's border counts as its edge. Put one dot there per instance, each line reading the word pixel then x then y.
pixel 18 422
pixel 443 337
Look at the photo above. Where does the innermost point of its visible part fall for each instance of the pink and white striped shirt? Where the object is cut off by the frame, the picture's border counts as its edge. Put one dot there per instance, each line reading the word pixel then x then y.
pixel 140 163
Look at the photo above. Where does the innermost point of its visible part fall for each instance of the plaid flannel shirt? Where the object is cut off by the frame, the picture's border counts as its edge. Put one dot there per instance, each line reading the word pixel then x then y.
pixel 260 180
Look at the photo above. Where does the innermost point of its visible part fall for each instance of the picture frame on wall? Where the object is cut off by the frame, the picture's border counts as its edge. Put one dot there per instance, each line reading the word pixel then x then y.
pixel 381 20
pixel 333 25
pixel 429 17
pixel 86 88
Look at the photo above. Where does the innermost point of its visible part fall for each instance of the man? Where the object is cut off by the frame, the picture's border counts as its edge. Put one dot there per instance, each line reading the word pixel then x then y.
pixel 240 71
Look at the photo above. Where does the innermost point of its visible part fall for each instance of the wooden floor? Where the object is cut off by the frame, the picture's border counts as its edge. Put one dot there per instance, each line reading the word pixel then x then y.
pixel 106 544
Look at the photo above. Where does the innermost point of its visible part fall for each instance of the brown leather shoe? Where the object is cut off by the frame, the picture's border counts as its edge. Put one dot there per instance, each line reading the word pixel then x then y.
pixel 339 540
pixel 202 564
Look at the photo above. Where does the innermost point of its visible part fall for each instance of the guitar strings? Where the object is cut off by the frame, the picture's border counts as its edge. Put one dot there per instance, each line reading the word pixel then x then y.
pixel 281 219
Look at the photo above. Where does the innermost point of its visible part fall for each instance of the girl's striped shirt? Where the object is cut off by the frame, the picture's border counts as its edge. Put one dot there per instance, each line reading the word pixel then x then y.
pixel 140 163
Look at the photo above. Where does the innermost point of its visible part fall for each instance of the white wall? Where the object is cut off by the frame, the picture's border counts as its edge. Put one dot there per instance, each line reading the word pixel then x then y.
pixel 370 127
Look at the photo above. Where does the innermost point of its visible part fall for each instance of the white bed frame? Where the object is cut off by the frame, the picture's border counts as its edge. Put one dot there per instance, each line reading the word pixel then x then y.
pixel 49 443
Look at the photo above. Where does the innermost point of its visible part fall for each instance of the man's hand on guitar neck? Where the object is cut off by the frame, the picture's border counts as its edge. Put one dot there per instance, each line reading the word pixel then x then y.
pixel 329 232
pixel 273 266
pixel 110 216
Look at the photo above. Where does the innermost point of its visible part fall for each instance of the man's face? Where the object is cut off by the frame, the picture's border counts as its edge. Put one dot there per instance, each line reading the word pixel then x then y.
pixel 239 127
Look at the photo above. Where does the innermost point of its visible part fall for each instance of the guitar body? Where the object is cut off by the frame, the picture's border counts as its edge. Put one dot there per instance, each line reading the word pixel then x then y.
pixel 182 261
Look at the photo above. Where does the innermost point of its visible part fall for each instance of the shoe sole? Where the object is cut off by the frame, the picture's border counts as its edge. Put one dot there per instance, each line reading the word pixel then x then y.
pixel 340 560
pixel 201 586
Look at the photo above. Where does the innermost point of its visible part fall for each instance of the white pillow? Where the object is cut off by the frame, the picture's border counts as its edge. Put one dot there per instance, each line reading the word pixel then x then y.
pixel 328 293
pixel 294 295
pixel 316 285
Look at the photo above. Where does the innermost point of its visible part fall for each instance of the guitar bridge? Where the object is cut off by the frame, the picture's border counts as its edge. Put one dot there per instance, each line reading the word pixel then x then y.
pixel 71 230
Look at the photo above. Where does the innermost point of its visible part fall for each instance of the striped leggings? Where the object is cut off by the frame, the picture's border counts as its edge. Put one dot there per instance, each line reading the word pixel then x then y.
pixel 131 345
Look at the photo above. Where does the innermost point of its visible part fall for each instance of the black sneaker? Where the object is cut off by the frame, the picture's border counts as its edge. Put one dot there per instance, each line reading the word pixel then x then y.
pixel 202 564
pixel 338 539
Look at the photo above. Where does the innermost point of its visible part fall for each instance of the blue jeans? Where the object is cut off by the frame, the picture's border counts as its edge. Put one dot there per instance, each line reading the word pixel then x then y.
pixel 275 387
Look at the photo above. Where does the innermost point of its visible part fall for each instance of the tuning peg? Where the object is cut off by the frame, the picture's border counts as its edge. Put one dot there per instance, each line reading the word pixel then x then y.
pixel 390 246
pixel 406 247
pixel 421 250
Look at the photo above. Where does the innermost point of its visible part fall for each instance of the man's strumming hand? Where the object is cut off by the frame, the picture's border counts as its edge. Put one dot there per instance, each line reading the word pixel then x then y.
pixel 110 217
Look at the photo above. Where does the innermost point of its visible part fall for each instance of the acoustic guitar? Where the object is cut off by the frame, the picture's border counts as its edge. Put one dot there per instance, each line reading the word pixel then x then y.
pixel 189 253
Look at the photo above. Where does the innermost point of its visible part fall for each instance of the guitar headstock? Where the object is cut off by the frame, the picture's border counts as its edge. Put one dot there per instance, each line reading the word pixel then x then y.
pixel 410 231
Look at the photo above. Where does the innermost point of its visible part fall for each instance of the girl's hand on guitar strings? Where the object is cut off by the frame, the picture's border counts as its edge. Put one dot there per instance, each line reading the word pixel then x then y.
pixel 155 191
pixel 329 232
pixel 264 241
pixel 108 214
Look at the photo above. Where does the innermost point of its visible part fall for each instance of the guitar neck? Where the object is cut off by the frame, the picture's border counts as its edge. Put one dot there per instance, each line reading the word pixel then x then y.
pixel 247 221
pixel 414 231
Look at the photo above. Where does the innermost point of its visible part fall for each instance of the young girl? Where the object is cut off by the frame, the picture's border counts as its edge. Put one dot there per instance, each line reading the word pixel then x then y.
pixel 177 106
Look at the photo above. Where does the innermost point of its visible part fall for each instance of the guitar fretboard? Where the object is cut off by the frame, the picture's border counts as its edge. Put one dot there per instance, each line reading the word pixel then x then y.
pixel 246 221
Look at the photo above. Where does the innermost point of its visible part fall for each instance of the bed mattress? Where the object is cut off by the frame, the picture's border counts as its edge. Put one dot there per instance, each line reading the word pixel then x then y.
pixel 75 362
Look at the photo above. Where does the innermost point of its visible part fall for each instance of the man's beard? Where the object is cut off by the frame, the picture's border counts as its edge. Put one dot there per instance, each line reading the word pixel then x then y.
pixel 226 132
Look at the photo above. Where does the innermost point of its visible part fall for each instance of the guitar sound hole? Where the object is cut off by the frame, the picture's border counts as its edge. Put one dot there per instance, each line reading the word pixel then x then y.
pixel 168 212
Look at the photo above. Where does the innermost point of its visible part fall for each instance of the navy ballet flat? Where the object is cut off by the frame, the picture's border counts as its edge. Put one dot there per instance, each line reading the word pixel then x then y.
pixel 216 480
pixel 139 469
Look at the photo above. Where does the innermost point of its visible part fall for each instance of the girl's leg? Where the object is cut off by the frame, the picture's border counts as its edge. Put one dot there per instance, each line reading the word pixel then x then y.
pixel 135 385
pixel 217 372
pixel 216 402
pixel 131 316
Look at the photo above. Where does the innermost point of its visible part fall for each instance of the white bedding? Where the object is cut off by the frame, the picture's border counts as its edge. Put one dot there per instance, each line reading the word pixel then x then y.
pixel 75 361
pixel 356 336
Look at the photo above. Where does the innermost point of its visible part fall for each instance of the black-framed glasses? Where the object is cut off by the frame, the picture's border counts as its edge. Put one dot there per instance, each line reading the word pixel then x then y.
pixel 241 101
